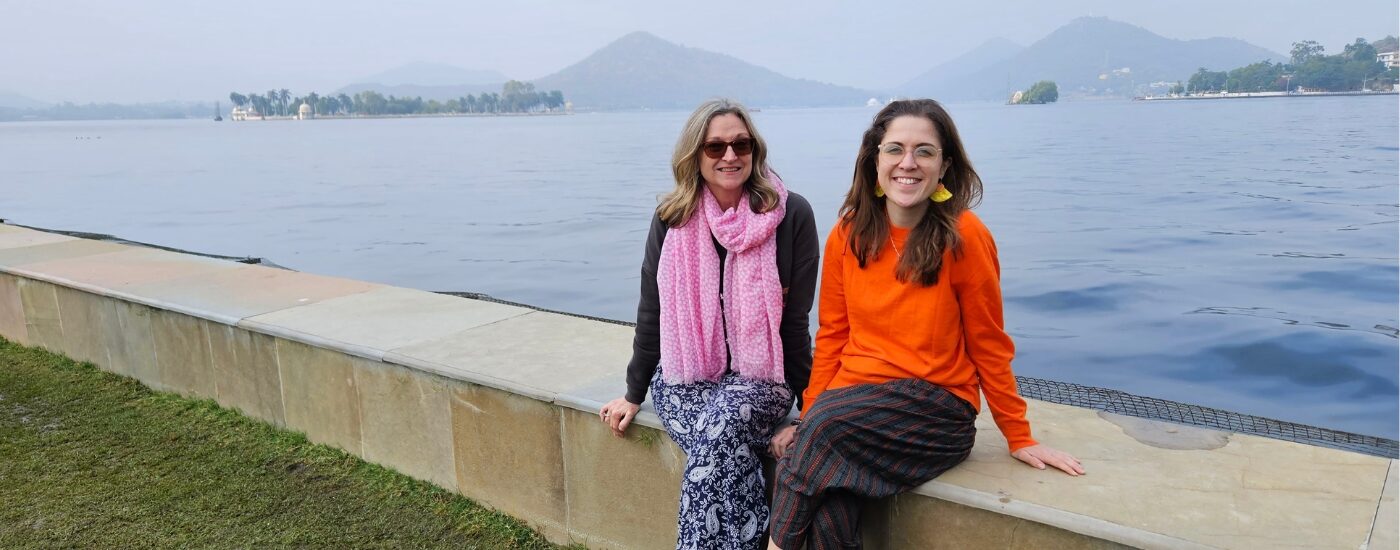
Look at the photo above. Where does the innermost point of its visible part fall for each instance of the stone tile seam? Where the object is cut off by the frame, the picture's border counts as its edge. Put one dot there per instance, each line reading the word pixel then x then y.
pixel 58 309
pixel 1375 517
pixel 214 367
pixel 360 413
pixel 1069 521
pixel 107 350
pixel 565 456
pixel 281 385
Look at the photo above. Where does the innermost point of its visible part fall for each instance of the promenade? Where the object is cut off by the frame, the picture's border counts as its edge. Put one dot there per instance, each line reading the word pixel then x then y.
pixel 499 402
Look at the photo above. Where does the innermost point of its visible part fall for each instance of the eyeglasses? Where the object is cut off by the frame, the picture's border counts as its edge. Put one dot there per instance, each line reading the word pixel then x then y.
pixel 895 152
pixel 716 149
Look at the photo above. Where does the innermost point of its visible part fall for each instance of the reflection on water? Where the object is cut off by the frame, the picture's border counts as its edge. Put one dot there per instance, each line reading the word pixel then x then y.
pixel 1236 255
pixel 1290 319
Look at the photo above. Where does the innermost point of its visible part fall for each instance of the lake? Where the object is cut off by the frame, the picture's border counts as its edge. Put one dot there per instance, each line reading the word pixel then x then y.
pixel 1233 254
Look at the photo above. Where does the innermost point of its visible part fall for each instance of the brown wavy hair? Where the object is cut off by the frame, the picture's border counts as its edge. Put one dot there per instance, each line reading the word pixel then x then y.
pixel 864 213
pixel 677 206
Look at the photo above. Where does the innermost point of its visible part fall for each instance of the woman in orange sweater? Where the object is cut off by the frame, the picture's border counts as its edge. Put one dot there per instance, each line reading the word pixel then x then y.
pixel 911 336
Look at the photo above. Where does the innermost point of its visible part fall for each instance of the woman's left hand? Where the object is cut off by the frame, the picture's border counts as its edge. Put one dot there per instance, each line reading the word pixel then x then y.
pixel 782 441
pixel 1039 456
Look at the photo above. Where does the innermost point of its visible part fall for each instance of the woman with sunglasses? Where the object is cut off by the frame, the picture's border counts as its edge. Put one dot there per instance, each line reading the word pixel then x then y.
pixel 722 341
pixel 910 338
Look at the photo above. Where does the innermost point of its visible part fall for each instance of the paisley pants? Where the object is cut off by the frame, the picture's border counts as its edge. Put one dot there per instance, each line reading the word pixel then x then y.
pixel 722 427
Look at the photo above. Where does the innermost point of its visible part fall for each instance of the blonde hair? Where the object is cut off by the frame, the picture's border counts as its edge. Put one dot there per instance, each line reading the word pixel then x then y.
pixel 677 206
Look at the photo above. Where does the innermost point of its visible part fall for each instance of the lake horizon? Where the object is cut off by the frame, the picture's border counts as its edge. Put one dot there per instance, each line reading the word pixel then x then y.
pixel 1236 255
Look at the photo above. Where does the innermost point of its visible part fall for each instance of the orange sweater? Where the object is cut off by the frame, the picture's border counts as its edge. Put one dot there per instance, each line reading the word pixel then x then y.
pixel 875 329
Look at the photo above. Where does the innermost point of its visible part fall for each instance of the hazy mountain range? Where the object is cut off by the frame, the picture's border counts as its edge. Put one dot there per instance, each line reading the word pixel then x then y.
pixel 432 74
pixel 1088 57
pixel 16 101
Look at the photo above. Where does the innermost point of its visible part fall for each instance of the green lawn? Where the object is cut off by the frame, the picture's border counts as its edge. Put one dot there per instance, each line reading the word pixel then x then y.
pixel 94 460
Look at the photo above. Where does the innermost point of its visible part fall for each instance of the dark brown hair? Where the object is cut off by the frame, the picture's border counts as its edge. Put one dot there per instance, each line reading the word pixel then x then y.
pixel 864 213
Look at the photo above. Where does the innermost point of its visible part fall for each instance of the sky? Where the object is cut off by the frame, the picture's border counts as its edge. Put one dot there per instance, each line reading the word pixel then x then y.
pixel 197 50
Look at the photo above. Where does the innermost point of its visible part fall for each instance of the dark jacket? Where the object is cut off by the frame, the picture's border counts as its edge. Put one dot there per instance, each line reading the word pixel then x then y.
pixel 798 264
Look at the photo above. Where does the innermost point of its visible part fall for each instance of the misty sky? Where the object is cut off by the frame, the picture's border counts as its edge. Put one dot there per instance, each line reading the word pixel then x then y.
pixel 151 50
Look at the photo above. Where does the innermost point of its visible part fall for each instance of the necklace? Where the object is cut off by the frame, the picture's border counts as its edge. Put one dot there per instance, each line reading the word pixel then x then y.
pixel 897 254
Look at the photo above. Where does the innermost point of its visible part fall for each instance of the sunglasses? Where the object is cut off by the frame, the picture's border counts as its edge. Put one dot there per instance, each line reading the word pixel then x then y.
pixel 716 149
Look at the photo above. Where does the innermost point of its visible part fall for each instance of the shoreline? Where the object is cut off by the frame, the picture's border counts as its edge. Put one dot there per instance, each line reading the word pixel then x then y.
pixel 418 115
pixel 1260 95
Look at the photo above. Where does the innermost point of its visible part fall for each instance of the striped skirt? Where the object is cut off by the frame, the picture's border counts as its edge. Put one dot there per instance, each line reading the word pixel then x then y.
pixel 865 441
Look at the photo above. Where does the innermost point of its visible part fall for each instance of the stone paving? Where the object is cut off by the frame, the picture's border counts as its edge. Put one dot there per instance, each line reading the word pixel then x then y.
pixel 498 403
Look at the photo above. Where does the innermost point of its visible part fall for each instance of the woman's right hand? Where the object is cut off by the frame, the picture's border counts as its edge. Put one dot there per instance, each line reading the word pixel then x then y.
pixel 618 415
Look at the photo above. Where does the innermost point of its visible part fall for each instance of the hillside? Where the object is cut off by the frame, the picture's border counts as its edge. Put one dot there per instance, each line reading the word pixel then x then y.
pixel 440 93
pixel 988 53
pixel 433 74
pixel 642 71
pixel 1087 57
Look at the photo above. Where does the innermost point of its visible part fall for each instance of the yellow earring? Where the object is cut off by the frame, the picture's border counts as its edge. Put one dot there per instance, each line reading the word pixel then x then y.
pixel 940 193
pixel 879 191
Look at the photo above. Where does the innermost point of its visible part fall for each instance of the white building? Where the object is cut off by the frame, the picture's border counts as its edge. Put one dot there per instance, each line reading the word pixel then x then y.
pixel 1391 59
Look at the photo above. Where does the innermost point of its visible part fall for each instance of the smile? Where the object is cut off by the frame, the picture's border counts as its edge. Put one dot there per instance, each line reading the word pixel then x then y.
pixel 907 181
pixel 728 169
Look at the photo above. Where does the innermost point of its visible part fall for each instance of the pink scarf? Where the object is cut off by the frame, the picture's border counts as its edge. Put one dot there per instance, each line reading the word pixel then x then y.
pixel 687 279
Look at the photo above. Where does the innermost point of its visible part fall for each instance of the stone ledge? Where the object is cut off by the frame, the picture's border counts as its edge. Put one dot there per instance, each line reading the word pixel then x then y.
pixel 1150 484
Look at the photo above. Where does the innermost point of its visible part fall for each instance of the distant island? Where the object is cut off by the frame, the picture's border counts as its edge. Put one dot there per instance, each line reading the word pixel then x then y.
pixel 1039 93
pixel 1362 67
pixel 516 97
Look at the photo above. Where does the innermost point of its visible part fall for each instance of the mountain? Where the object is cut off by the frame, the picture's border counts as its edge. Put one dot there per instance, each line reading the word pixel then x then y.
pixel 432 74
pixel 989 53
pixel 15 101
pixel 440 93
pixel 641 71
pixel 1096 56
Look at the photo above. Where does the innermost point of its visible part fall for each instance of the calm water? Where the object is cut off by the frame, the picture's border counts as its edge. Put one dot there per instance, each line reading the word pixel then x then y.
pixel 1235 254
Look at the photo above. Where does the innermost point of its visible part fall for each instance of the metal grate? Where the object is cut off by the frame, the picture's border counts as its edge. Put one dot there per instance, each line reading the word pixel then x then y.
pixel 1123 403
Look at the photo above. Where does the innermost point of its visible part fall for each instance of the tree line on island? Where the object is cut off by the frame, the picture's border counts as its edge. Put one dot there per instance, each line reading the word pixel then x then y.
pixel 515 97
pixel 1039 93
pixel 1356 68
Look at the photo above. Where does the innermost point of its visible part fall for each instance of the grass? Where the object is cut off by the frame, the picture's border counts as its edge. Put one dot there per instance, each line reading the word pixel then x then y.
pixel 91 459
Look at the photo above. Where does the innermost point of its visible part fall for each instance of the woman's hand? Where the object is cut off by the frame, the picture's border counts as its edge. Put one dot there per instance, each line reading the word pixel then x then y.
pixel 1039 456
pixel 782 441
pixel 618 415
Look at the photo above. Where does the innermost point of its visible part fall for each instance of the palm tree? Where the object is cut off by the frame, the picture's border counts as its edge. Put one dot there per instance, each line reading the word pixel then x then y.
pixel 312 98
pixel 346 103
pixel 283 96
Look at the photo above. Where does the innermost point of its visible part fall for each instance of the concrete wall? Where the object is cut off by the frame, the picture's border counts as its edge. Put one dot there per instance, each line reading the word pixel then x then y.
pixel 499 404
